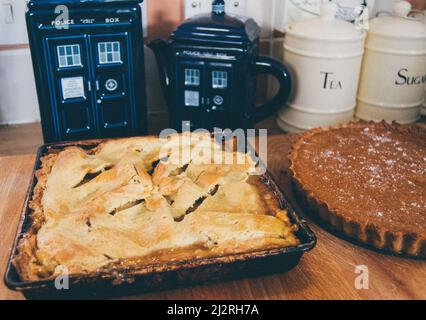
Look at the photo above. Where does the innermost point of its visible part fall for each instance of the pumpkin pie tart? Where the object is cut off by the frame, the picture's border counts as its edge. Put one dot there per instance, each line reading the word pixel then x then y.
pixel 368 181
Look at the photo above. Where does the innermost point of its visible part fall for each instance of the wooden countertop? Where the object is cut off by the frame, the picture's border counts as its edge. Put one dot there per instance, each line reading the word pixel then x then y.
pixel 327 272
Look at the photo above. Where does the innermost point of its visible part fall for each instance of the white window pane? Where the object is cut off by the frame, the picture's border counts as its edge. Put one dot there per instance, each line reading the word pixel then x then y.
pixel 109 52
pixel 116 51
pixel 116 57
pixel 62 61
pixel 102 58
pixel 77 60
pixel 69 55
pixel 61 50
pixel 220 79
pixel 192 77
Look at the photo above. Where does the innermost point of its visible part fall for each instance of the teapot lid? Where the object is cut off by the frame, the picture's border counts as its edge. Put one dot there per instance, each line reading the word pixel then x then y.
pixel 218 26
pixel 399 24
pixel 326 27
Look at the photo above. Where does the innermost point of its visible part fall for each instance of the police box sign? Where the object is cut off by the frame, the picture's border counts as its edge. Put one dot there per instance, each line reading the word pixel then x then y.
pixel 67 22
pixel 63 20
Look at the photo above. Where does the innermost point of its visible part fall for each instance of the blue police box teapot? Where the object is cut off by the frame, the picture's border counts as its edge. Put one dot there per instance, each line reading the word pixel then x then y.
pixel 208 72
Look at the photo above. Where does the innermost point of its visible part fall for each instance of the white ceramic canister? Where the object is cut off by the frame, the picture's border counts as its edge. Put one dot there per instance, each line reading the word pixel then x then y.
pixel 325 56
pixel 394 68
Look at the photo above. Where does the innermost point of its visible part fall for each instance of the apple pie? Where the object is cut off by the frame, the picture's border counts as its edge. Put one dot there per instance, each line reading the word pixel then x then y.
pixel 143 200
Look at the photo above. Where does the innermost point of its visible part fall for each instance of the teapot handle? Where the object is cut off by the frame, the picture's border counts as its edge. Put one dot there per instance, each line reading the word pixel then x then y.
pixel 265 65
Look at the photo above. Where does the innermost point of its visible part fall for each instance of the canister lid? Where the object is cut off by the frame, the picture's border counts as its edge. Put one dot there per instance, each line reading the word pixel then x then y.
pixel 399 24
pixel 326 27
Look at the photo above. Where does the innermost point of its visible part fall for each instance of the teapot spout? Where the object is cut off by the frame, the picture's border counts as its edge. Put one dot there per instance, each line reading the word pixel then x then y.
pixel 161 52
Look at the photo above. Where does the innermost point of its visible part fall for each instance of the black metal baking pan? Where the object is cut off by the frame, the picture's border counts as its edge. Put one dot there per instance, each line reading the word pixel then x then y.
pixel 155 277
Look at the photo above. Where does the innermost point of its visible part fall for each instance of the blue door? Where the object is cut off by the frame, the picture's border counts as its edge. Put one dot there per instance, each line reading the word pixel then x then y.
pixel 191 93
pixel 71 89
pixel 219 98
pixel 91 85
pixel 112 74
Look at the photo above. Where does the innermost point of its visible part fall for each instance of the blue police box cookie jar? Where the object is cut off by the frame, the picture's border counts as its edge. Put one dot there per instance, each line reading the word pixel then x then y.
pixel 89 67
pixel 208 71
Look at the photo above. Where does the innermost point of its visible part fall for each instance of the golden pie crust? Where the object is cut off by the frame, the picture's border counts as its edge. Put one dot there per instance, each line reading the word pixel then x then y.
pixel 368 181
pixel 128 202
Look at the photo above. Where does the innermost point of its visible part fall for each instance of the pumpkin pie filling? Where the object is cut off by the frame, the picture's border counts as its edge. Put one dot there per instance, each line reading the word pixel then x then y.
pixel 368 180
